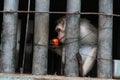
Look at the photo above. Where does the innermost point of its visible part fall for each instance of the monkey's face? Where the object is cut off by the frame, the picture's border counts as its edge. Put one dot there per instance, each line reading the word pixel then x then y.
pixel 60 28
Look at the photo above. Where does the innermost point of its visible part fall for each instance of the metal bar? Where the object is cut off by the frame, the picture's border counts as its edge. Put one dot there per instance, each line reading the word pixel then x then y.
pixel 9 37
pixel 72 37
pixel 53 12
pixel 41 38
pixel 63 61
pixel 26 33
pixel 116 69
pixel 105 39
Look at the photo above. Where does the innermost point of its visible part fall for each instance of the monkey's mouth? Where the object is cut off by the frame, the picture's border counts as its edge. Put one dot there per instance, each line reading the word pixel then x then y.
pixel 62 39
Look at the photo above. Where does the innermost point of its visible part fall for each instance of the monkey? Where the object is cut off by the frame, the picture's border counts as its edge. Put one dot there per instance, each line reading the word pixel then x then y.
pixel 88 41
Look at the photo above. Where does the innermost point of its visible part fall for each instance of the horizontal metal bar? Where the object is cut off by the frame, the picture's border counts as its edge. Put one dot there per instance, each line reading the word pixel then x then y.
pixel 54 12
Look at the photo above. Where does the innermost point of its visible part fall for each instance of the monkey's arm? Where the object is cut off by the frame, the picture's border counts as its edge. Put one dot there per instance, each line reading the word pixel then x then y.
pixel 89 61
pixel 57 50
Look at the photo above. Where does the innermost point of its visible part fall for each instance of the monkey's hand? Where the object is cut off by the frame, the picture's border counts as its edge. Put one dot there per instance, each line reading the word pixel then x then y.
pixel 57 50
pixel 79 58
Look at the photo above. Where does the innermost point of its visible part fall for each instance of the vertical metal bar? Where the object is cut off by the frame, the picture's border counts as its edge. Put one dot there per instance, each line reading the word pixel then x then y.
pixel 63 61
pixel 41 37
pixel 105 39
pixel 18 42
pixel 72 38
pixel 9 37
pixel 26 33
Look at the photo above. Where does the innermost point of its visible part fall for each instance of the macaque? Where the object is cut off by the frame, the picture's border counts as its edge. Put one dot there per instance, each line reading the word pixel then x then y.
pixel 88 41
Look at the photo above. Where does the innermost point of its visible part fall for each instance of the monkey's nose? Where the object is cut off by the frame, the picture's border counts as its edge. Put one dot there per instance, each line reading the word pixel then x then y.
pixel 58 30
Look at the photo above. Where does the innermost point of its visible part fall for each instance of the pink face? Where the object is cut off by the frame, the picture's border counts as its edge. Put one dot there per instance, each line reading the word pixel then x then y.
pixel 61 32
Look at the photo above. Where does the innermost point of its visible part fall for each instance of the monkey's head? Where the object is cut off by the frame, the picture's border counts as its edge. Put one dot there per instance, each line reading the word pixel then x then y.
pixel 60 28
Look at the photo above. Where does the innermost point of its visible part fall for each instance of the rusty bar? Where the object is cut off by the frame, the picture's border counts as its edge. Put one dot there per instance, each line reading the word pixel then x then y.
pixel 41 38
pixel 26 35
pixel 63 61
pixel 53 12
pixel 105 39
pixel 9 37
pixel 72 38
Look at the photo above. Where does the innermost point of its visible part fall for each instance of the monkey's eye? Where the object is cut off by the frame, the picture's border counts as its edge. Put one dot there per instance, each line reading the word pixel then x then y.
pixel 58 30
